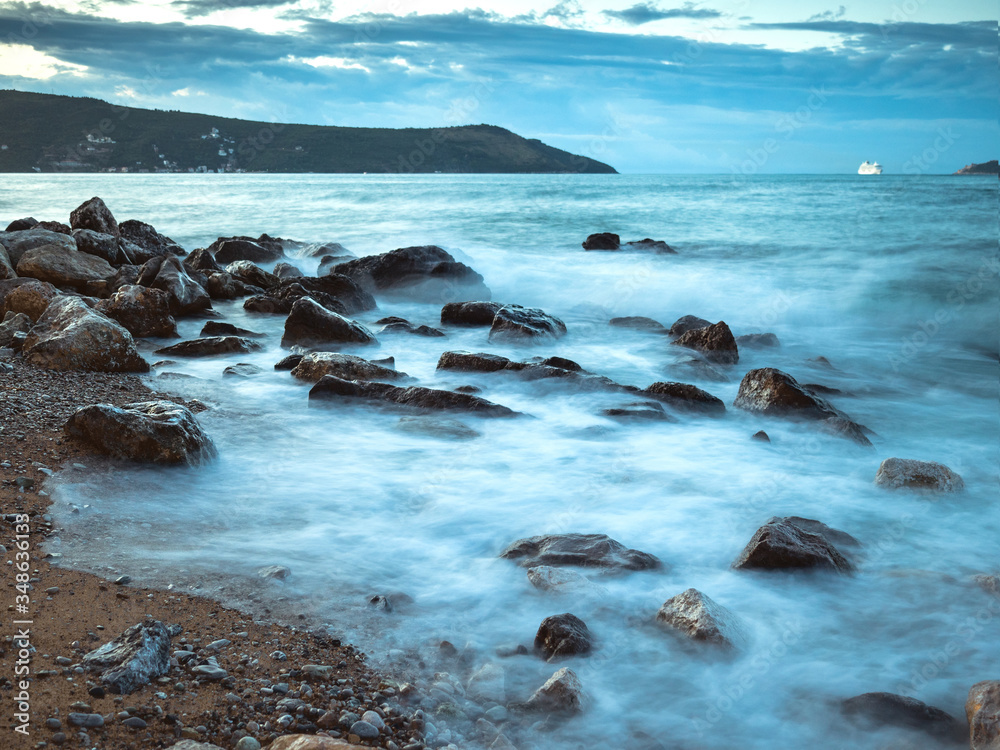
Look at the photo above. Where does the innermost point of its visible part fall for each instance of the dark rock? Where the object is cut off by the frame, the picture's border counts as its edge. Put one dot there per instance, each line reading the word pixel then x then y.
pixel 126 275
pixel 225 286
pixel 266 305
pixel 699 618
pixel 229 250
pixel 602 241
pixel 96 216
pixel 686 398
pixel 55 226
pixel 715 342
pixel 252 274
pixel 287 271
pixel 94 243
pixel 289 362
pixel 516 323
pixel 310 324
pixel 479 362
pixel 63 267
pixel 899 711
pixel 644 410
pixel 312 367
pixel 151 242
pixel 13 323
pixel 140 654
pixel 218 328
pixel 6 267
pixel 19 225
pixel 582 550
pixel 85 721
pixel 639 323
pixel 688 323
pixel 212 345
pixel 650 246
pixel 334 291
pixel 560 363
pixel 202 260
pixel 982 709
pixel 761 436
pixel 469 313
pixel 529 370
pixel 821 390
pixel 757 340
pixel 241 370
pixel 28 296
pixel 401 325
pixel 168 273
pixel 425 273
pixel 898 473
pixel 142 310
pixel 18 243
pixel 793 542
pixel 149 432
pixel 330 387
pixel 321 249
pixel 562 693
pixel 562 635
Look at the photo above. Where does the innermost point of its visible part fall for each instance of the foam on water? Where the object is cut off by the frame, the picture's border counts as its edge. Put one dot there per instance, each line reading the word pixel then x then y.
pixel 853 270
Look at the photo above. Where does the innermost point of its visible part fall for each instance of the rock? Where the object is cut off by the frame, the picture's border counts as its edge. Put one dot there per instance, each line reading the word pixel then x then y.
pixel 516 323
pixel 138 655
pixel 562 635
pixel 757 341
pixel 28 296
pixel 63 267
pixel 19 225
pixel 488 683
pixel 289 362
pixel 715 342
pixel 686 398
pixel 899 711
pixel 287 271
pixel 699 618
pixel 322 249
pixel 582 550
pixel 247 743
pixel 364 730
pixel 982 709
pixel 478 362
pixel 330 387
pixel 561 693
pixel 224 286
pixel 235 249
pixel 688 323
pixel 148 431
pixel 650 246
pixel 449 429
pixel 134 722
pixel 897 473
pixel 55 226
pixel 252 274
pixel 13 323
pixel 86 721
pixel 210 346
pixel 649 411
pixel 425 273
pixel 547 578
pixel 310 324
pixel 469 313
pixel 202 260
pixel 218 328
pixel 94 243
pixel 774 393
pixel 6 267
pixel 71 336
pixel 309 742
pixel 639 323
pixel 400 325
pixel 329 289
pixel 211 672
pixel 793 542
pixel 761 436
pixel 274 572
pixel 988 583
pixel 602 241
pixel 126 275
pixel 142 310
pixel 145 237
pixel 18 243
pixel 241 370
pixel 94 215
pixel 346 366
pixel 186 295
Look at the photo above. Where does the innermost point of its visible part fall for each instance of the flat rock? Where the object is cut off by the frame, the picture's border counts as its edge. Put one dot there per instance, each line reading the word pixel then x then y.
pixel 899 711
pixel 220 328
pixel 18 243
pixel 686 397
pixel 63 267
pixel 309 324
pixel 469 313
pixel 142 310
pixel 982 709
pixel 314 366
pixel 424 273
pixel 516 323
pixel 638 323
pixel 899 473
pixel 715 342
pixel 563 635
pixel 138 655
pixel 210 346
pixel 793 542
pixel 416 397
pixel 580 550
pixel 696 616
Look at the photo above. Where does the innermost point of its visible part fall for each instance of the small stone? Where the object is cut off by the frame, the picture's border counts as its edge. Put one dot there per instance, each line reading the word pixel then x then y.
pixel 364 730
pixel 122 580
pixel 134 722
pixel 86 720
pixel 761 436
pixel 374 719
pixel 210 672
pixel 53 723
pixel 248 743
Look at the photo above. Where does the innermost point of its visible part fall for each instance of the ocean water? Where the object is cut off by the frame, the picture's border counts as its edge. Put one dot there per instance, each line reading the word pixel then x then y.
pixel 894 280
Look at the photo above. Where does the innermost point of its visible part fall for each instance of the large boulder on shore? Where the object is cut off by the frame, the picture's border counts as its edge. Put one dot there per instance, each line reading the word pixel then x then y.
pixel 793 542
pixel 253 274
pixel 71 336
pixel 314 366
pixel 715 343
pixel 686 398
pixel 687 323
pixel 880 709
pixel 29 296
pixel 168 273
pixel 237 249
pixel 425 273
pixel 699 618
pixel 580 550
pixel 94 243
pixel 138 655
pixel 307 742
pixel 330 387
pixel 562 635
pixel 139 234
pixel 63 267
pixel 469 313
pixel 899 473
pixel 142 310
pixel 149 432
pixel 310 324
pixel 6 267
pixel 202 261
pixel 18 243
pixel 982 709
pixel 96 216
pixel 209 346
pixel 516 323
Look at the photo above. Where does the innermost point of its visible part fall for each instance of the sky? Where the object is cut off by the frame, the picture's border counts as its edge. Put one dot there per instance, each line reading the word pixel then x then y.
pixel 722 86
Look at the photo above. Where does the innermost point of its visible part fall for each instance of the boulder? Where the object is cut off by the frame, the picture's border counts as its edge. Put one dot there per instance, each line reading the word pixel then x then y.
pixel 210 346
pixel 251 273
pixel 401 325
pixel 324 249
pixel 580 550
pixel 19 225
pixel 142 310
pixel 139 234
pixel 649 246
pixel 186 295
pixel 638 323
pixel 648 411
pixel 202 260
pixel 96 216
pixel 138 655
pixel 686 398
pixel 241 370
pixel 94 243
pixel 287 271
pixel 796 543
pixel 309 742
pixel 265 305
pixel 148 432
pixel 899 473
pixel 562 635
pixel 982 709
pixel 602 241
pixel 6 267
pixel 219 328
pixel 55 226
pixel 28 296
pixel 126 275
pixel 71 336
pixel 882 709
pixel 236 249
pixel 426 273
pixel 326 290
pixel 562 693
pixel 478 362
pixel 289 362
pixel 696 616
pixel 224 286
pixel 757 341
pixel 13 324
pixel 18 243
pixel 688 323
pixel 310 324
pixel 715 342
pixel 516 323
pixel 330 387
pixel 469 313
pixel 63 267
pixel 761 437
pixel 314 366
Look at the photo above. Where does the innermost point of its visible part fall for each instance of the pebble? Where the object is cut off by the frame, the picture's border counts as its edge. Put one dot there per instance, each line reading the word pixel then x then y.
pixel 210 672
pixel 279 656
pixel 134 722
pixel 122 580
pixel 364 730
pixel 86 720
pixel 248 743
pixel 63 661
pixel 53 723
pixel 97 691
pixel 374 719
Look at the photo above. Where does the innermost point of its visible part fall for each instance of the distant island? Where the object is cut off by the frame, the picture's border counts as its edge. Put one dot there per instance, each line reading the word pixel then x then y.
pixel 49 133
pixel 990 167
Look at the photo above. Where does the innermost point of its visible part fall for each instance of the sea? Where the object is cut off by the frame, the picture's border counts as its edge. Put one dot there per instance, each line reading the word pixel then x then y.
pixel 884 288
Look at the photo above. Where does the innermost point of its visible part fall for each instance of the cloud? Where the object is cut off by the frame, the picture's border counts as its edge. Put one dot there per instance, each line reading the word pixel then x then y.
pixel 647 12
pixel 195 8
pixel 829 15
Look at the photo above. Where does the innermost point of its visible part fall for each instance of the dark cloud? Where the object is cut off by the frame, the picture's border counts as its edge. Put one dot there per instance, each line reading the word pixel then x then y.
pixel 195 8
pixel 647 12
pixel 829 15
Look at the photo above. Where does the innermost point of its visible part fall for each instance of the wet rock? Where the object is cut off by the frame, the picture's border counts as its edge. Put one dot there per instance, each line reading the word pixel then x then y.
pixel 150 242
pixel 333 388
pixel 276 572
pixel 236 249
pixel 699 618
pixel 988 583
pixel 138 655
pixel 548 578
pixel 203 261
pixel 899 711
pixel 322 249
pixel 334 291
pixel 793 542
pixel 516 323
pixel 364 730
pixel 104 246
pixel 287 271
pixel 309 742
pixel 478 362
pixel 346 366
pixel 401 325
pixel 56 226
pixel 6 267
pixel 18 243
pixel 63 267
pixel 210 346
pixel 469 313
pixel 649 411
pixel 186 295
pixel 241 370
pixel 638 323
pixel 448 429
pixel 310 324
pixel 252 274
pixel 561 693
pixel 426 273
pixel 982 709
pixel 650 246
pixel 602 241
pixel 686 397
pixel 28 296
pixel 222 285
pixel 142 310
pixel 71 336
pixel 289 362
pixel 581 550
pixel 148 431
pixel 488 683
pixel 897 473
pixel 714 342
pixel 19 225
pixel 96 216
pixel 688 323
pixel 126 275
pixel 13 323
pixel 757 341
pixel 562 635
pixel 218 328
pixel 761 436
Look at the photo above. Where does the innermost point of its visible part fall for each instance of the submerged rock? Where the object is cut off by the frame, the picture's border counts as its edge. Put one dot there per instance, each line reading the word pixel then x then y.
pixel 401 325
pixel 793 542
pixel 650 246
pixel 330 387
pixel 149 431
pixel 210 346
pixel 449 429
pixel 241 370
pixel 488 684
pixel 581 550
pixel 757 341
pixel 699 618
pixel 138 655
pixel 425 273
pixel 715 342
pixel 686 398
pixel 218 328
pixel 899 711
pixel 314 366
pixel 310 323
pixel 643 410
pixel 561 693
pixel 562 635
pixel 548 578
pixel 516 323
pixel 469 313
pixel 898 473
pixel 602 241
pixel 982 709
pixel 638 323
pixel 142 310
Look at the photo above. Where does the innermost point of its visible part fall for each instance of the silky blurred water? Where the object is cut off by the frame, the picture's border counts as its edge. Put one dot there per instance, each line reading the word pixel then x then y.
pixel 892 279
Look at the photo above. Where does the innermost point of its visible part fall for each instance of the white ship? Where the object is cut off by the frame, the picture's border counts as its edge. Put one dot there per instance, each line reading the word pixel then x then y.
pixel 870 168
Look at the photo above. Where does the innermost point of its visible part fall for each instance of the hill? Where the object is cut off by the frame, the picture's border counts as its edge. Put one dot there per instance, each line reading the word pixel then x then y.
pixel 990 167
pixel 48 133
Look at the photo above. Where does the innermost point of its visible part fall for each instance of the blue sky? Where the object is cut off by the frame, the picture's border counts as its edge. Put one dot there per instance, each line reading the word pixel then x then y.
pixel 728 86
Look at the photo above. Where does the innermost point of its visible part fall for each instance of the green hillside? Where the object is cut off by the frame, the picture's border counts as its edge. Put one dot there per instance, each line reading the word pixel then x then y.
pixel 43 132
